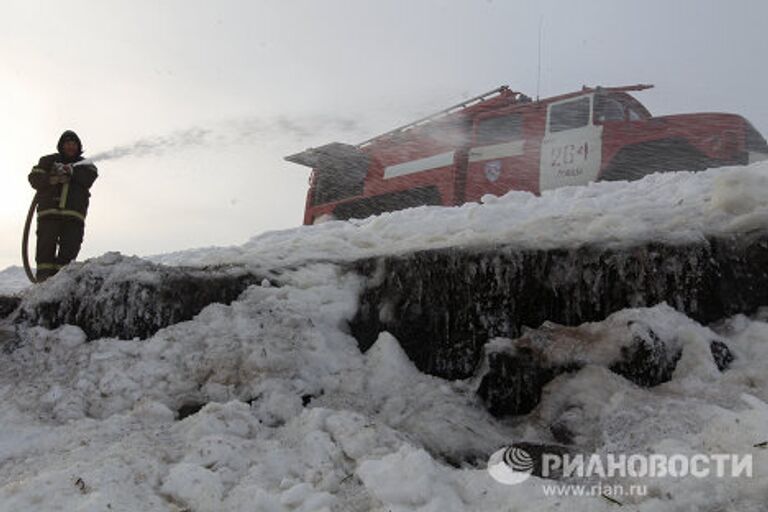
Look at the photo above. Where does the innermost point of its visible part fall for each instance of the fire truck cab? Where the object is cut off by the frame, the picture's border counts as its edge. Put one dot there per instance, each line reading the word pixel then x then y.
pixel 503 141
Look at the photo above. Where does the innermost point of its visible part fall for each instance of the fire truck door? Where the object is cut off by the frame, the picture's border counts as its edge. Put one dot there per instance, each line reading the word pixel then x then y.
pixel 497 159
pixel 571 151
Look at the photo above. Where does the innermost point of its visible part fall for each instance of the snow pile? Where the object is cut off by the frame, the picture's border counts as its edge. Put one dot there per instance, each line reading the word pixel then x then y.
pixel 267 404
pixel 13 280
pixel 296 407
pixel 664 207
pixel 217 356
pixel 282 412
pixel 126 297
pixel 741 192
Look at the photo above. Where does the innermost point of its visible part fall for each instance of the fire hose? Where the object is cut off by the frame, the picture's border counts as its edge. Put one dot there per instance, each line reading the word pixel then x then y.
pixel 25 239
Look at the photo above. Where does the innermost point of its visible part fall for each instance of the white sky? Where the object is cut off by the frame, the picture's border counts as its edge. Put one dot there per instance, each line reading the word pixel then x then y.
pixel 270 78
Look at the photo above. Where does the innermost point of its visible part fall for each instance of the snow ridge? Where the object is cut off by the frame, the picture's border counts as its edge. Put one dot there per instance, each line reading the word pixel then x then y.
pixel 289 414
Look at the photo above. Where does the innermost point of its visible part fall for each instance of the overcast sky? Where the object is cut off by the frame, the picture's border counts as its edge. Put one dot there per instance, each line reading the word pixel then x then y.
pixel 229 87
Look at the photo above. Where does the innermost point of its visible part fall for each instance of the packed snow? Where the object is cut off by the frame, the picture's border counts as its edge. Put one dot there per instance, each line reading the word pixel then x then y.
pixel 13 280
pixel 298 419
pixel 267 404
pixel 665 207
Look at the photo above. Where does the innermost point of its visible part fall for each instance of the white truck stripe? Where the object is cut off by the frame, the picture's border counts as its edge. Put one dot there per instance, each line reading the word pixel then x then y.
pixel 422 164
pixel 503 150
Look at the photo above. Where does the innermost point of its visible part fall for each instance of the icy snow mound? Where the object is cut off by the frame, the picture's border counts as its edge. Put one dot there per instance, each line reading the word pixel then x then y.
pixel 292 404
pixel 13 280
pixel 119 296
pixel 664 207
pixel 643 345
pixel 291 416
pixel 268 404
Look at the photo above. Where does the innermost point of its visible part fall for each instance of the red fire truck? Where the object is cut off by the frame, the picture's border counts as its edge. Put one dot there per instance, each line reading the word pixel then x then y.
pixel 502 141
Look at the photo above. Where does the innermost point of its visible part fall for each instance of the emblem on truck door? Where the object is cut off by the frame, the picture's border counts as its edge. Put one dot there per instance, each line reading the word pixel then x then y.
pixel 493 170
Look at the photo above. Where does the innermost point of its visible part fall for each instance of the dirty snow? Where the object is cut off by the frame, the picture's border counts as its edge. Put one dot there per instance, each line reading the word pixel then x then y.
pixel 284 413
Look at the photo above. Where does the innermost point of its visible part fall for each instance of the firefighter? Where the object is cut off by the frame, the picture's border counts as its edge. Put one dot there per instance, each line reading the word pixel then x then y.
pixel 62 181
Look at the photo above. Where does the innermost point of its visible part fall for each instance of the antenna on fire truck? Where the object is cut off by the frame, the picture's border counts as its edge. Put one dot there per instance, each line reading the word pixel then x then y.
pixel 538 70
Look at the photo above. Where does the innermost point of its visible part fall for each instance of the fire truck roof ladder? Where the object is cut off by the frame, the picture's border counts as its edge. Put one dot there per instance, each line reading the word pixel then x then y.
pixel 339 152
pixel 445 112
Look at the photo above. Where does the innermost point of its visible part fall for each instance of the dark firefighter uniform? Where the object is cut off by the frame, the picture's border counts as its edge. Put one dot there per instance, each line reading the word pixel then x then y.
pixel 62 207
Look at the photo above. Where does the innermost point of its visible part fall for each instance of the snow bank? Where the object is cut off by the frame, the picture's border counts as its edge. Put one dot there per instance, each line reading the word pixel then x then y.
pixel 126 297
pixel 289 415
pixel 13 280
pixel 284 425
pixel 443 305
pixel 267 404
pixel 663 207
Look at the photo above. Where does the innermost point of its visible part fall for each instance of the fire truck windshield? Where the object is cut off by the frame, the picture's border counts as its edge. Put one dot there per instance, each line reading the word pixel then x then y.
pixel 618 107
pixel 608 109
